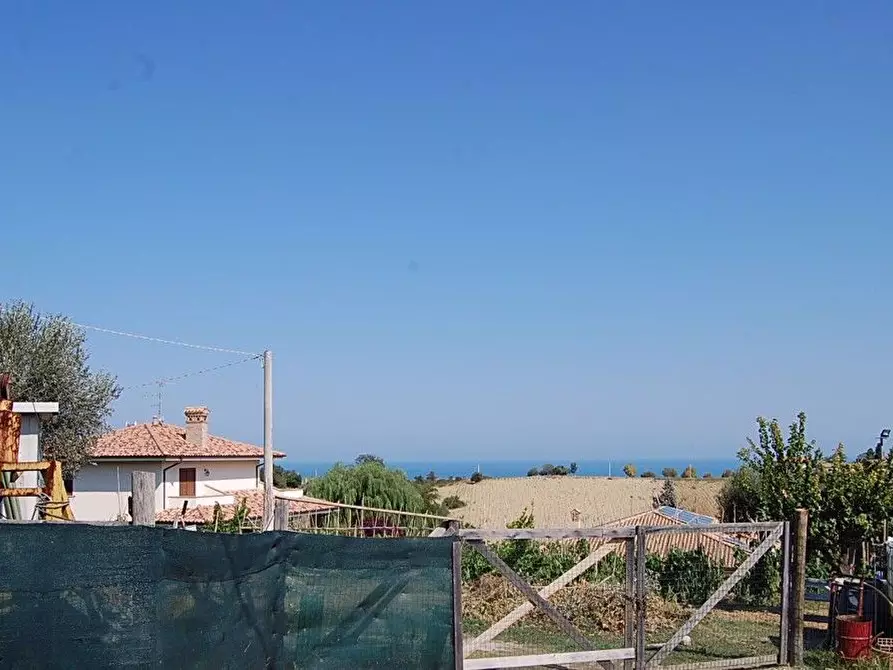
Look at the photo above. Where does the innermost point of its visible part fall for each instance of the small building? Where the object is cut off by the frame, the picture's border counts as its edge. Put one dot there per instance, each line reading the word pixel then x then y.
pixel 190 465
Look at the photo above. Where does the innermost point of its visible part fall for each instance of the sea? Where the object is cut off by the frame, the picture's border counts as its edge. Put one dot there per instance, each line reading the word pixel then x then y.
pixel 520 468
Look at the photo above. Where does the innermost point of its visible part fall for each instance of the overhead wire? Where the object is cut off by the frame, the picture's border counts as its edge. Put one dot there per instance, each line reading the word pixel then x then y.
pixel 193 373
pixel 160 340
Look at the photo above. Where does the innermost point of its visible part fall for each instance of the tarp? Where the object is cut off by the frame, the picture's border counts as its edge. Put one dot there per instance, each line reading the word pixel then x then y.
pixel 81 596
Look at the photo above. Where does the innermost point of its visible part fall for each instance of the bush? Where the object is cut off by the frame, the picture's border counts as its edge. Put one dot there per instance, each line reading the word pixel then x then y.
pixel 670 473
pixel 689 473
pixel 728 472
pixel 761 585
pixel 477 477
pixel 689 577
pixel 573 468
pixel 649 474
pixel 667 495
pixel 533 472
pixel 453 502
pixel 629 470
pixel 707 475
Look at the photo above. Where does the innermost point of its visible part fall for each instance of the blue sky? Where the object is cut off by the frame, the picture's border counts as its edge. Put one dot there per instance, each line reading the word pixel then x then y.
pixel 501 230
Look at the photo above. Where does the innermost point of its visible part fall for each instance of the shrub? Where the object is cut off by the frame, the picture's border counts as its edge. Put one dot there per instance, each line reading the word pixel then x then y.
pixel 670 473
pixel 453 502
pixel 573 468
pixel 689 577
pixel 477 477
pixel 689 472
pixel 728 472
pixel 667 495
pixel 707 475
pixel 762 584
pixel 629 470
pixel 533 472
pixel 649 474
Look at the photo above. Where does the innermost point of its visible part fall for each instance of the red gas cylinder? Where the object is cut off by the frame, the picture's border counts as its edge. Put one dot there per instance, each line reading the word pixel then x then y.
pixel 853 637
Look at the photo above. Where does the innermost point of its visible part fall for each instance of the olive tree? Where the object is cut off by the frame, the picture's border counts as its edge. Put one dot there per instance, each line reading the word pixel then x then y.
pixel 47 359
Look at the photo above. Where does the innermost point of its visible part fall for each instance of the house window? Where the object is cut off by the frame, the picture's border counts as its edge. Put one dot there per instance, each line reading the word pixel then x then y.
pixel 187 482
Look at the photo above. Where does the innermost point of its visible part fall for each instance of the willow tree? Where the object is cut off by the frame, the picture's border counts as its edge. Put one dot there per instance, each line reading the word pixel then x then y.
pixel 368 484
pixel 47 360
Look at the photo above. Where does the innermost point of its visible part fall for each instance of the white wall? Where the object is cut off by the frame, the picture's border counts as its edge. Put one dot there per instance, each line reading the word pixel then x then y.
pixel 29 450
pixel 95 496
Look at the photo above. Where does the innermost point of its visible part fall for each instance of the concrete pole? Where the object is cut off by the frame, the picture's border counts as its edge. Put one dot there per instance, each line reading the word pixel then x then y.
pixel 268 440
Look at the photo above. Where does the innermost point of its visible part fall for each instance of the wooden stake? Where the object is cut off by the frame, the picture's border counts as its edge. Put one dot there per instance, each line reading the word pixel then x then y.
pixel 798 586
pixel 142 487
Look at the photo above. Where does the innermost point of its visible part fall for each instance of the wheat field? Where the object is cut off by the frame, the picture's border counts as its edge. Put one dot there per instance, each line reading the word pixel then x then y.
pixel 492 503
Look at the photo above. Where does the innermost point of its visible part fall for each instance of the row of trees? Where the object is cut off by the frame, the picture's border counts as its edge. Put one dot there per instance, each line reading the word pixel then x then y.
pixel 549 470
pixel 630 470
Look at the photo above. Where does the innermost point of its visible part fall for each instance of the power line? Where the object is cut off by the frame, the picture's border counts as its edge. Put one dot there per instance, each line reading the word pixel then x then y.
pixel 163 341
pixel 194 373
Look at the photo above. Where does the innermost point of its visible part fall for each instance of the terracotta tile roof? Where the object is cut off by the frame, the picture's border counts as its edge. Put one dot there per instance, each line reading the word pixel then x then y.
pixel 203 514
pixel 721 548
pixel 164 440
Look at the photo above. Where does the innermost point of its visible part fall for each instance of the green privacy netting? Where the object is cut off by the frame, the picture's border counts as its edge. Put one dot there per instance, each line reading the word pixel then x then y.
pixel 81 596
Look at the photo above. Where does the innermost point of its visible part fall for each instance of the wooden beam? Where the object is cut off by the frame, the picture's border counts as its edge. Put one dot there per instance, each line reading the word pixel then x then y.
pixel 539 660
pixel 142 487
pixel 785 628
pixel 25 466
pixel 798 587
pixel 721 528
pixel 629 605
pixel 545 533
pixel 545 606
pixel 518 613
pixel 641 595
pixel 280 514
pixel 720 593
pixel 458 653
pixel 21 493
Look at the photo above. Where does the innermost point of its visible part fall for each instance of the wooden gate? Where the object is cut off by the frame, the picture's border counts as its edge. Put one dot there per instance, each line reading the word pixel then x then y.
pixel 631 543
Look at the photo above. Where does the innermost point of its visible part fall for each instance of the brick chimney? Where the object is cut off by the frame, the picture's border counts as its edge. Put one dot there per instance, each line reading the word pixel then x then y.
pixel 197 425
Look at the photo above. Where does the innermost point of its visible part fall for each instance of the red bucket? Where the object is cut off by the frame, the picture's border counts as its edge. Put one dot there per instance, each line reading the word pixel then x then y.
pixel 853 637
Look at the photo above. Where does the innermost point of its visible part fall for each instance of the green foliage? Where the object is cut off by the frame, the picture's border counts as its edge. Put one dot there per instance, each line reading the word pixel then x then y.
pixel 669 473
pixel 286 479
pixel 549 470
pixel 728 472
pixel 573 468
pixel 629 470
pixel 689 577
pixel 235 523
pixel 533 472
pixel 648 474
pixel 689 473
pixel 707 475
pixel 739 496
pixel 453 502
pixel 611 569
pixel 369 484
pixel 46 358
pixel 760 586
pixel 847 502
pixel 667 495
pixel 477 477
pixel 363 459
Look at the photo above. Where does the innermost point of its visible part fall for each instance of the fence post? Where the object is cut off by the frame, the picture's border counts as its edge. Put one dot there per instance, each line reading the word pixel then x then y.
pixel 629 610
pixel 641 594
pixel 458 647
pixel 142 491
pixel 280 514
pixel 798 587
pixel 784 632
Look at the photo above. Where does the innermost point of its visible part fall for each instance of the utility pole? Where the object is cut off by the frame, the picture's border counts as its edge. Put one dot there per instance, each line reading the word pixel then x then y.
pixel 268 440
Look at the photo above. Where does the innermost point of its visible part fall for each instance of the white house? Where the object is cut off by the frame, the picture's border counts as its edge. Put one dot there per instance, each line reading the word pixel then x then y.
pixel 189 465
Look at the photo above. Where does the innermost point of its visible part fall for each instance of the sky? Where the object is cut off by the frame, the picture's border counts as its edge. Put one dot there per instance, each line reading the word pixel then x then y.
pixel 508 229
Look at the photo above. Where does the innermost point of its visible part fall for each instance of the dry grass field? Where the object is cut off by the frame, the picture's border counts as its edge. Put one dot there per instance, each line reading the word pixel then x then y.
pixel 494 502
